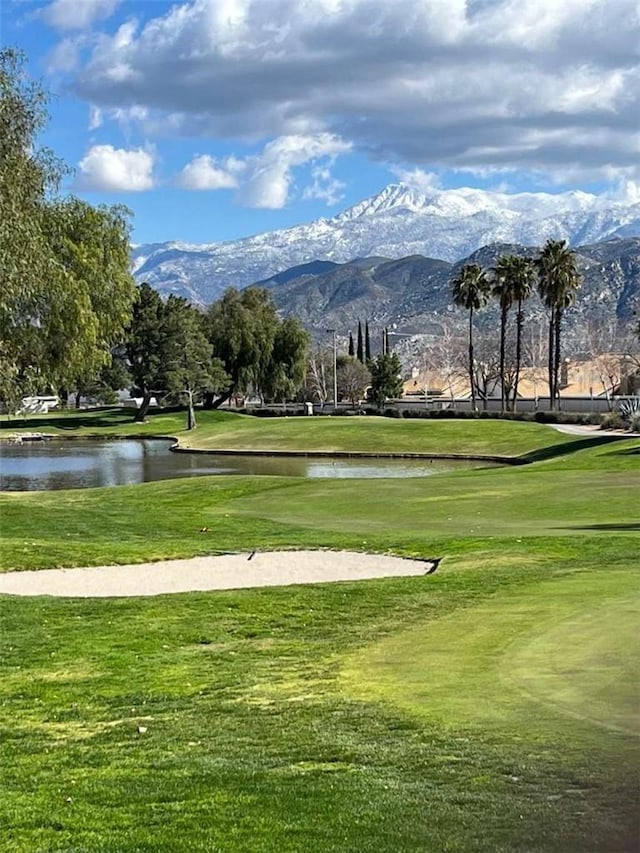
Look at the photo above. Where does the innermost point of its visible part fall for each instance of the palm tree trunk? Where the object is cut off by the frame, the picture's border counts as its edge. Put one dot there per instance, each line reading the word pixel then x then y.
pixel 471 371
pixel 551 359
pixel 516 380
pixel 556 354
pixel 503 335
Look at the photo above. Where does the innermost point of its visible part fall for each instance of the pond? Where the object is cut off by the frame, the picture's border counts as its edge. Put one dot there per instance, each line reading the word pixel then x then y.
pixel 38 465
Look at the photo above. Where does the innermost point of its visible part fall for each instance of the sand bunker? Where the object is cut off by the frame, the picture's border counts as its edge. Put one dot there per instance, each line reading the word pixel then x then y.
pixel 229 571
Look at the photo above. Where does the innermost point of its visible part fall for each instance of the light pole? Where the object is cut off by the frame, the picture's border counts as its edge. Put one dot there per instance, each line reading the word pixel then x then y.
pixel 335 369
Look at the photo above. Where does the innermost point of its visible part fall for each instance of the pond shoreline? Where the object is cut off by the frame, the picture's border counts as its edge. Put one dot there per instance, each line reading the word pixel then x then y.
pixel 356 454
pixel 310 454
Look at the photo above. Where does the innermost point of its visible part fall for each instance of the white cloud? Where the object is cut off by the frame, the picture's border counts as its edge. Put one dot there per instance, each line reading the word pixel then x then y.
pixel 324 187
pixel 270 174
pixel 107 169
pixel 65 56
pixel 95 117
pixel 204 173
pixel 425 182
pixel 267 179
pixel 77 14
pixel 436 84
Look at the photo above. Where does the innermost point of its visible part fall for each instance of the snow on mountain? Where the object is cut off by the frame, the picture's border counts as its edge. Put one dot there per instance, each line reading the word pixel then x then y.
pixel 397 222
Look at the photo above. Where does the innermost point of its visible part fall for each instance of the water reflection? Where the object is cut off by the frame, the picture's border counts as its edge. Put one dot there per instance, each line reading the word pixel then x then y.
pixel 43 465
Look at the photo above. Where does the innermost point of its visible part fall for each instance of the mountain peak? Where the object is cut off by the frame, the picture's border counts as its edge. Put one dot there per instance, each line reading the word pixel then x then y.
pixel 392 197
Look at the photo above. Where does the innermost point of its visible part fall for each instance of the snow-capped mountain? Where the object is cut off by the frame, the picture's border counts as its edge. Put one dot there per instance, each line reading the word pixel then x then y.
pixel 397 222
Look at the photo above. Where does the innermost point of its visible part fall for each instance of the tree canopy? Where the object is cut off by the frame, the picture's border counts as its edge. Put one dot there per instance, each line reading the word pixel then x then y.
pixel 66 292
pixel 386 379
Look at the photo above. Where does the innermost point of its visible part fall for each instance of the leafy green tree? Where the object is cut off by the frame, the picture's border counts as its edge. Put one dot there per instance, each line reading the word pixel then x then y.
pixel 87 315
pixel 28 174
pixel 188 365
pixel 65 288
pixel 241 328
pixel 558 284
pixel 145 346
pixel 386 378
pixel 513 279
pixel 470 289
pixel 111 377
pixel 353 379
pixel 286 370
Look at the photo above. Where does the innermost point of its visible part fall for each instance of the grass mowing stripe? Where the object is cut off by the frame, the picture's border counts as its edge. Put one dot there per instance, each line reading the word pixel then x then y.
pixel 473 666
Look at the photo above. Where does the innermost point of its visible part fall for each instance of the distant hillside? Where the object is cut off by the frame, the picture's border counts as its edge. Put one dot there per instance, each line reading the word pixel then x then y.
pixel 412 291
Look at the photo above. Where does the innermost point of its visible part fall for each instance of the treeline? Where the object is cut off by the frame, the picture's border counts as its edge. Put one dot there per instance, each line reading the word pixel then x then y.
pixel 72 319
pixel 177 352
pixel 71 316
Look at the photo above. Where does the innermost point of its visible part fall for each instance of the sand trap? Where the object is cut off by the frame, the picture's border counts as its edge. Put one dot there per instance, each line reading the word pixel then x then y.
pixel 230 571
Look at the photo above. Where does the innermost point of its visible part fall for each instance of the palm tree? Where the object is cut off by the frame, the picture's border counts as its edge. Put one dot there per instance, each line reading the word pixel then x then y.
pixel 470 290
pixel 502 290
pixel 513 281
pixel 558 283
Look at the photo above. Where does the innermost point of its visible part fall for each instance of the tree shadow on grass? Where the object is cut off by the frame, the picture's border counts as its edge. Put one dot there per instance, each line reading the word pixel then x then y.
pixel 629 451
pixel 632 525
pixel 72 420
pixel 66 423
pixel 572 447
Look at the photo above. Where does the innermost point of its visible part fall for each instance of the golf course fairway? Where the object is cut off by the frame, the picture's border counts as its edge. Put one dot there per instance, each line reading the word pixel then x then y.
pixel 489 707
pixel 570 644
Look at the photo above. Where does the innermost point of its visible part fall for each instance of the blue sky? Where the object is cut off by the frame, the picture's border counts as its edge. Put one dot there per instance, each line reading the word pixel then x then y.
pixel 216 119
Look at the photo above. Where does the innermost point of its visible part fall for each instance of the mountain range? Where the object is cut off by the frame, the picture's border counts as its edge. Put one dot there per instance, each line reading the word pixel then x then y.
pixel 414 293
pixel 398 222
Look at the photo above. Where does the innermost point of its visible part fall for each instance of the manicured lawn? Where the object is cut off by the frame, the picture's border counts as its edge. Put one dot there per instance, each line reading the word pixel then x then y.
pixel 371 434
pixel 492 706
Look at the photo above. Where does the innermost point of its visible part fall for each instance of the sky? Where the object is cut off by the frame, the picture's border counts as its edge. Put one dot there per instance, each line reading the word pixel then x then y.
pixel 216 119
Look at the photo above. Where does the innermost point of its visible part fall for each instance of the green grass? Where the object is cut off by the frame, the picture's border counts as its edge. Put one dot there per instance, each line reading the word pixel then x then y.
pixel 370 434
pixel 492 706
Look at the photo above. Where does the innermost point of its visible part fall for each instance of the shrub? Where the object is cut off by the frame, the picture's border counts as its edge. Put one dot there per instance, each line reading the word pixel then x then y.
pixel 612 420
pixel 629 409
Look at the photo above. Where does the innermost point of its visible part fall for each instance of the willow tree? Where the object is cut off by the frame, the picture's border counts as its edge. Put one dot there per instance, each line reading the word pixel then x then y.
pixel 470 290
pixel 65 287
pixel 558 284
pixel 89 301
pixel 287 365
pixel 241 328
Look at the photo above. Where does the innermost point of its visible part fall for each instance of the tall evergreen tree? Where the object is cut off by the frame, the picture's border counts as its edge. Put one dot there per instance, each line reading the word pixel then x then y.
pixel 144 346
pixel 386 378
pixel 188 365
pixel 352 351
pixel 360 350
pixel 367 343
